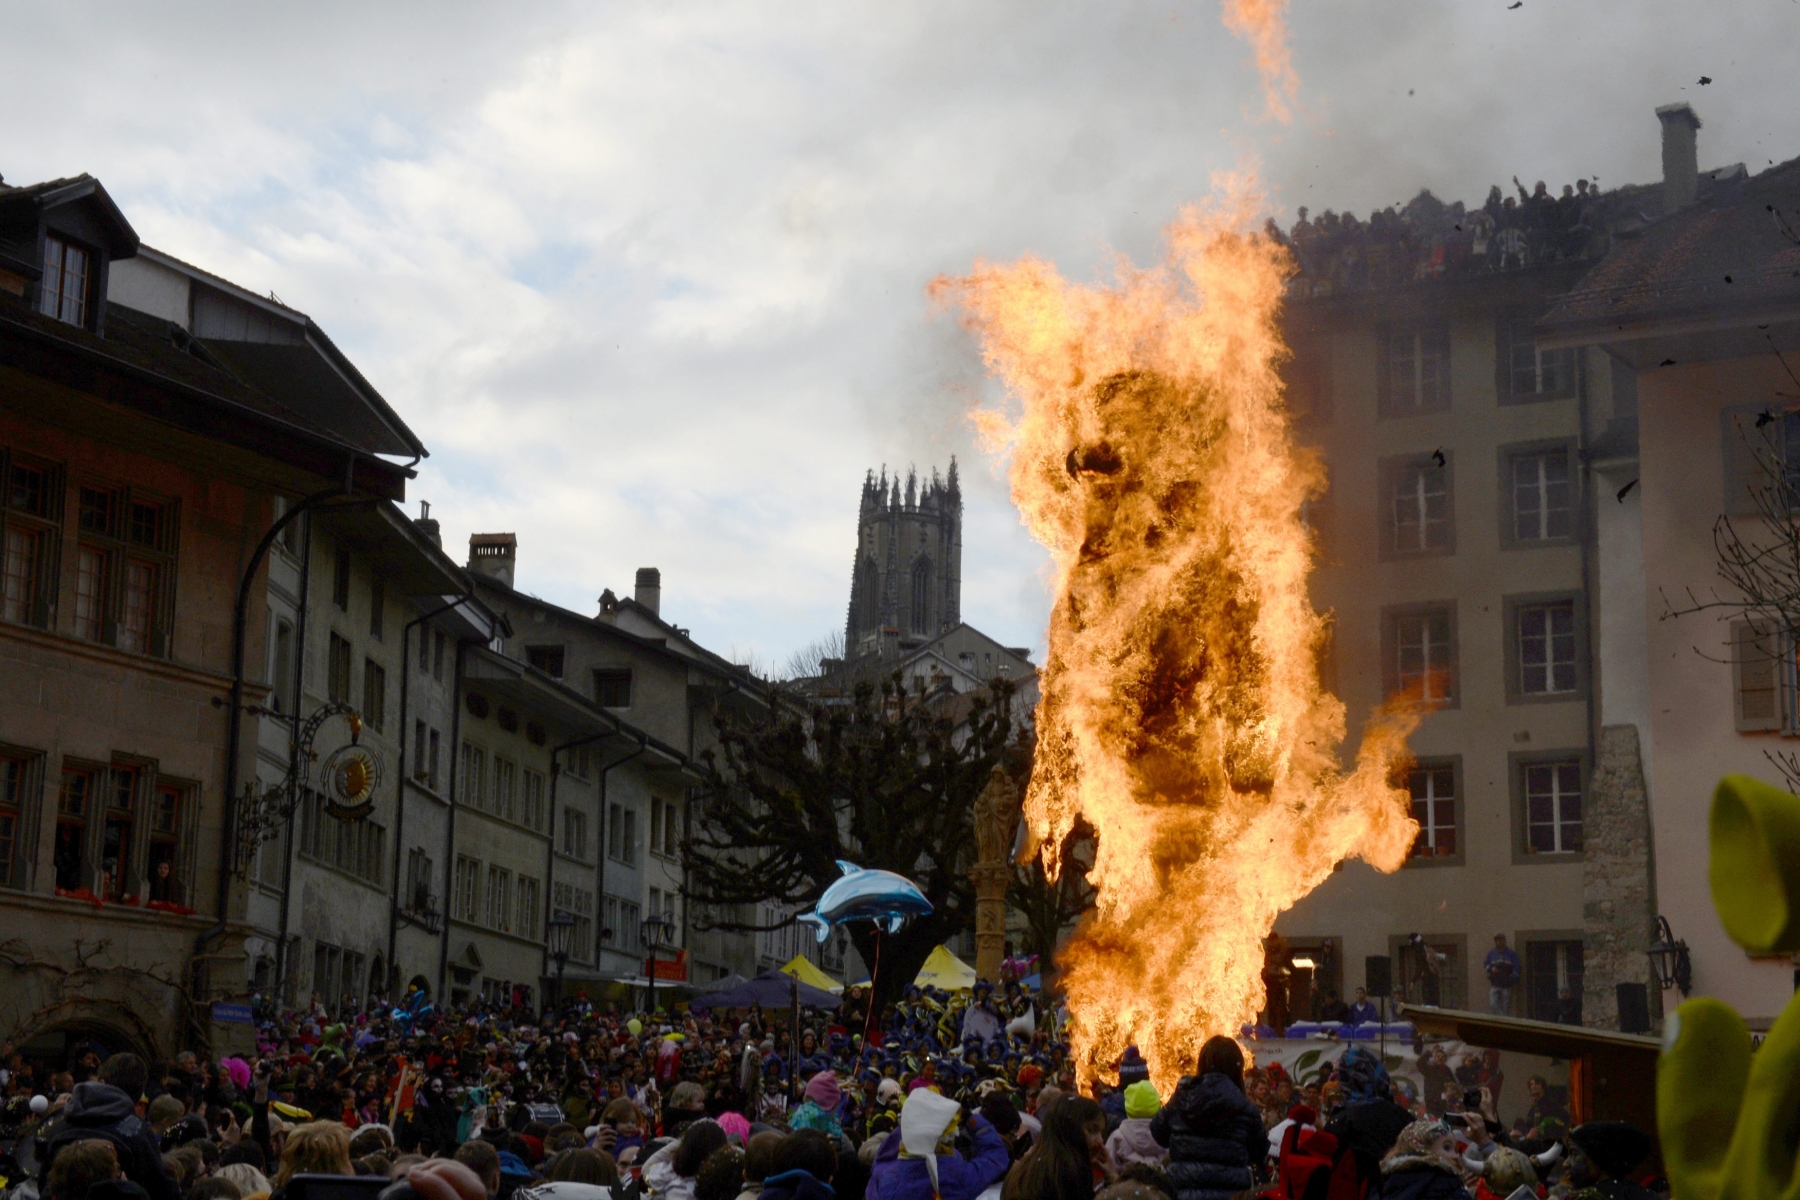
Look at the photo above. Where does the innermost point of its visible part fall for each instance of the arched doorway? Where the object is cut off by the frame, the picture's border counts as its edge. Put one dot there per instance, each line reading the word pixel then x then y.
pixel 65 1045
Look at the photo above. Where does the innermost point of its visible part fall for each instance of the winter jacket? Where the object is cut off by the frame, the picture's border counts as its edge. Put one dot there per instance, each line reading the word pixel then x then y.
pixel 1369 1129
pixel 1133 1142
pixel 796 1185
pixel 100 1110
pixel 896 1178
pixel 1414 1177
pixel 1214 1134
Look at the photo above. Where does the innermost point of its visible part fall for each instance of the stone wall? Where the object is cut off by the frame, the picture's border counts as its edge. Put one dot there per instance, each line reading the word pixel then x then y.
pixel 1617 886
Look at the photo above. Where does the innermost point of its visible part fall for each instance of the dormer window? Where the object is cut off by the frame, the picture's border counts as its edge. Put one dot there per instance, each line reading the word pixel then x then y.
pixel 63 294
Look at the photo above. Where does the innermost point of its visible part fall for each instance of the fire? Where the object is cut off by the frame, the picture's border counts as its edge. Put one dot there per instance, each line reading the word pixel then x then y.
pixel 1181 715
pixel 1263 23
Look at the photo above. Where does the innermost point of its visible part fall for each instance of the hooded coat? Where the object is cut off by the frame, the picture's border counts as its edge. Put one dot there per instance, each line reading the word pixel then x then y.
pixel 100 1110
pixel 1133 1142
pixel 1214 1134
pixel 896 1178
pixel 1420 1177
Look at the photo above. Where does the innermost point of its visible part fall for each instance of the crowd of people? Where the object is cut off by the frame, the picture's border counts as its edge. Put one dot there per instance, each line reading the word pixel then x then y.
pixel 969 1096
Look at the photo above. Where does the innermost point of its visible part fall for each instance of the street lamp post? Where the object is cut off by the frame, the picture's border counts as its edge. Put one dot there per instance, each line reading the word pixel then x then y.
pixel 557 931
pixel 650 928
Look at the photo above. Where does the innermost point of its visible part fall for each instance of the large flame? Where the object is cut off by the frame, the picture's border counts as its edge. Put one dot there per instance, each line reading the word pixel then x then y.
pixel 1181 714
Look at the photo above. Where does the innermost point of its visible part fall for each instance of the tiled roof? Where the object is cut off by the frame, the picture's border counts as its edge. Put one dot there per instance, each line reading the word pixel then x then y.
pixel 1736 251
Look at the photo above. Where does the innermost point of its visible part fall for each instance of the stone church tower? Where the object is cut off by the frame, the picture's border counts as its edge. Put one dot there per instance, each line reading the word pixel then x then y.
pixel 907 584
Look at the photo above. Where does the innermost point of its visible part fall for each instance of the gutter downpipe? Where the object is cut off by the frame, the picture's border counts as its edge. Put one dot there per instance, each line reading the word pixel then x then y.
pixel 550 848
pixel 400 796
pixel 287 858
pixel 456 701
pixel 234 719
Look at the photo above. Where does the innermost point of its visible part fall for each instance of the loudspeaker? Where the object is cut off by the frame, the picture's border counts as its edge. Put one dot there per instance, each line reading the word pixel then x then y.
pixel 1634 1008
pixel 1378 975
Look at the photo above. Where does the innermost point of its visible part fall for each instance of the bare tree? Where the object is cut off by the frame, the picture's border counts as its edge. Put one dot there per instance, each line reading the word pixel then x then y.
pixel 1759 560
pixel 808 661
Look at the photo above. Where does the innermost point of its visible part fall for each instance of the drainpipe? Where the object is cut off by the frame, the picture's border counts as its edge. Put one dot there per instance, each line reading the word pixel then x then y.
pixel 1590 548
pixel 456 694
pixel 234 717
pixel 600 843
pixel 550 850
pixel 400 800
pixel 287 858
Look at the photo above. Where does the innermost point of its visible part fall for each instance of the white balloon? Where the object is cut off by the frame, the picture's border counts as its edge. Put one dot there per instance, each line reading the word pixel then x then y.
pixel 40 1105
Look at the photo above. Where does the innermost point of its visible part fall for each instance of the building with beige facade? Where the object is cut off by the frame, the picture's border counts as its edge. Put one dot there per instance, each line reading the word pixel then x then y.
pixel 1473 467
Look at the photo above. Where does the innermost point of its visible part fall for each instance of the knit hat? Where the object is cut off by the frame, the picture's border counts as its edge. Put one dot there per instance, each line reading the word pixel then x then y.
pixel 822 1089
pixel 1141 1099
pixel 1132 1068
pixel 923 1123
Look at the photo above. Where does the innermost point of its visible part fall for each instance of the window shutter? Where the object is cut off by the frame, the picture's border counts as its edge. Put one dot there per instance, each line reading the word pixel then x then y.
pixel 1756 677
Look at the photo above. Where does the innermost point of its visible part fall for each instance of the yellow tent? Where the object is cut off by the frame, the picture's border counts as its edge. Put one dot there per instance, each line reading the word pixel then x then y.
pixel 802 968
pixel 944 970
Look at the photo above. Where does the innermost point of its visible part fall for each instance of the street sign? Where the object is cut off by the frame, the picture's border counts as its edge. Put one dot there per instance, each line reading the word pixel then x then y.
pixel 232 1014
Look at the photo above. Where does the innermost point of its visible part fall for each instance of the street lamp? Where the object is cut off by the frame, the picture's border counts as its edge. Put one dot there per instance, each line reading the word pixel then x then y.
pixel 557 932
pixel 1669 960
pixel 650 928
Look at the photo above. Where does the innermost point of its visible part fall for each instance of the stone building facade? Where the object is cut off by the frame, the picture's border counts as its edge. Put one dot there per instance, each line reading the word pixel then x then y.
pixel 906 587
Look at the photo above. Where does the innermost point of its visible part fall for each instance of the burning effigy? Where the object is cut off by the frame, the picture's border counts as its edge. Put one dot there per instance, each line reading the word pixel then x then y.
pixel 1182 716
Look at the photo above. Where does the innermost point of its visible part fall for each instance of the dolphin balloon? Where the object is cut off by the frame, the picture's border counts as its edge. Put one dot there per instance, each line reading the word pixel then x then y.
pixel 883 897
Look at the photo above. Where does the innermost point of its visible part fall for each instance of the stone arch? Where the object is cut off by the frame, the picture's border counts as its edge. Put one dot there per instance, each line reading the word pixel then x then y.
pixel 113 1026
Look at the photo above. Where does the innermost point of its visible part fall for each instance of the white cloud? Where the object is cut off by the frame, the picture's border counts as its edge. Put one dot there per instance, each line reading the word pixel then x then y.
pixel 648 279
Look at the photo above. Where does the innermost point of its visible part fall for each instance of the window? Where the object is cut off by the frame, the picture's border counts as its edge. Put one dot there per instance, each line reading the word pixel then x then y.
pixel 437 656
pixel 474 776
pixel 535 815
pixel 289 538
pixel 281 670
pixel 74 806
pixel 1552 807
pixel 1530 372
pixel 612 687
pixel 63 292
pixel 1551 968
pixel 529 895
pixel 921 596
pixel 374 706
pixel 90 593
pixel 15 770
pixel 1757 667
pixel 1305 379
pixel 431 780
pixel 656 827
pixel 574 833
pixel 340 580
pixel 621 834
pixel 609 929
pixel 1419 516
pixel 30 508
pixel 468 888
pixel 117 830
pixel 129 538
pixel 419 769
pixel 1419 644
pixel 377 607
pixel 1429 971
pixel 337 670
pixel 548 659
pixel 671 831
pixel 631 929
pixel 581 938
pixel 1543 507
pixel 167 804
pixel 1416 376
pixel 1433 788
pixel 1547 649
pixel 499 899
pixel 506 777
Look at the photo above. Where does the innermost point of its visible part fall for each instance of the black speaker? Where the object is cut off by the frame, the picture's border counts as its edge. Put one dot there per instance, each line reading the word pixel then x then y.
pixel 1378 975
pixel 1634 1008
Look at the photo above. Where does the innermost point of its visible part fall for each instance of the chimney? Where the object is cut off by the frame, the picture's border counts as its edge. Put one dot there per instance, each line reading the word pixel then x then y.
pixel 493 554
pixel 1681 155
pixel 428 526
pixel 649 590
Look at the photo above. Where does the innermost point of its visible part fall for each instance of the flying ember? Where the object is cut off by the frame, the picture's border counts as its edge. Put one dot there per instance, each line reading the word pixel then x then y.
pixel 1182 717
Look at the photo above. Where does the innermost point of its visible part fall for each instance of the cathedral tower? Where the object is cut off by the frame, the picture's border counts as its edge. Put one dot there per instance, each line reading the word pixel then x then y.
pixel 906 586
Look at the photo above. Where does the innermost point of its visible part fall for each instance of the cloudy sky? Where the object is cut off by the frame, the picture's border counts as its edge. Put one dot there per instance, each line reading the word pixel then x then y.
pixel 648 279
